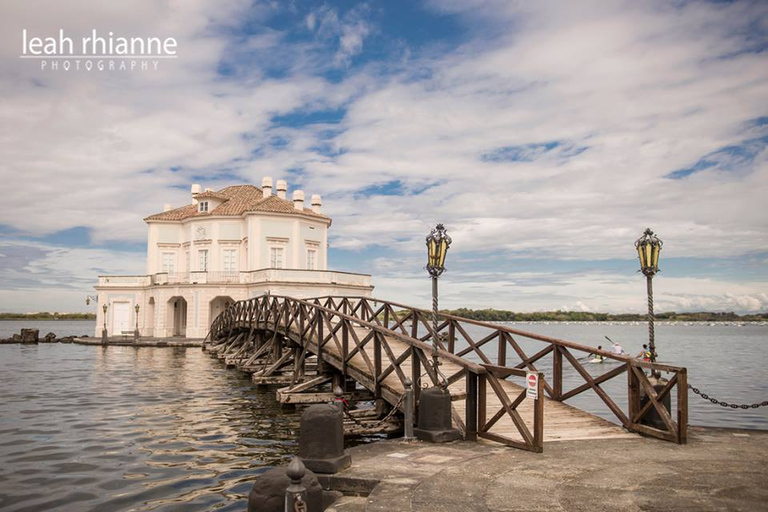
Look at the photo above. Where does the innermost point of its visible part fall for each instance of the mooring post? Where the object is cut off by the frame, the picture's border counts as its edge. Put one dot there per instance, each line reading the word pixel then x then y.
pixel 296 493
pixel 408 406
pixel 321 442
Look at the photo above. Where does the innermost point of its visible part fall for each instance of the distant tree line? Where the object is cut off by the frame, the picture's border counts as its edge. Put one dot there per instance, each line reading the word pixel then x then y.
pixel 497 315
pixel 45 315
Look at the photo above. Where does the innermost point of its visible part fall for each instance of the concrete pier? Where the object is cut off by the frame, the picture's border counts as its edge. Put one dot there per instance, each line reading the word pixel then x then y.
pixel 720 469
pixel 143 342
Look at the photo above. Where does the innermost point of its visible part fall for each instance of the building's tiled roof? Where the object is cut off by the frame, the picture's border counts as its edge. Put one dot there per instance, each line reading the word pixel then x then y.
pixel 237 200
pixel 210 194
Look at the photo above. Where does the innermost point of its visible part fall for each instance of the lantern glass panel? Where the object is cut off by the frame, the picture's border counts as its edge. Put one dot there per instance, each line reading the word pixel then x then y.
pixel 441 254
pixel 648 254
pixel 641 254
pixel 656 251
pixel 431 252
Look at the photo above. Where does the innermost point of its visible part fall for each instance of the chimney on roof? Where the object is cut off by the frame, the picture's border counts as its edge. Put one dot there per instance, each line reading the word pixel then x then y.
pixel 166 207
pixel 317 203
pixel 196 189
pixel 282 188
pixel 298 199
pixel 266 186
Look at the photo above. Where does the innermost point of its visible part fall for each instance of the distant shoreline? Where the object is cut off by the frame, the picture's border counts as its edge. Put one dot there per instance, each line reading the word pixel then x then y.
pixel 497 315
pixel 492 315
pixel 85 317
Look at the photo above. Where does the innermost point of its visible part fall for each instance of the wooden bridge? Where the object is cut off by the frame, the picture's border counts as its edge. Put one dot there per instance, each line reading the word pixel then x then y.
pixel 308 344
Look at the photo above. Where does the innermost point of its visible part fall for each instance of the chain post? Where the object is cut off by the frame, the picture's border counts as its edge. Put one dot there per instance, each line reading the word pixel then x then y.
pixel 296 493
pixel 408 420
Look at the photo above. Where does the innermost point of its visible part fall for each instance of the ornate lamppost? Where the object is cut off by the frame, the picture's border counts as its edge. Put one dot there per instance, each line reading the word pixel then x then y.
pixel 136 330
pixel 435 424
pixel 104 330
pixel 438 242
pixel 648 248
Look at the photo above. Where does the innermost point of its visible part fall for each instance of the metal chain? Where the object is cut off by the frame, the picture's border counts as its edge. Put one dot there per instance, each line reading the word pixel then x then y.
pixel 299 505
pixel 379 422
pixel 726 404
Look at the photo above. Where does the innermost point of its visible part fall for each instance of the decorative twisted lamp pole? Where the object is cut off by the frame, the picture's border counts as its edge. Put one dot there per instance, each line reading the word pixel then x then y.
pixel 648 248
pixel 438 242
pixel 104 330
pixel 136 330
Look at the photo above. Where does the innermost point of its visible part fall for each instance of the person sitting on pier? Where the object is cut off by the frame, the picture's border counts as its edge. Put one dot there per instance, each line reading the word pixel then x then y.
pixel 644 354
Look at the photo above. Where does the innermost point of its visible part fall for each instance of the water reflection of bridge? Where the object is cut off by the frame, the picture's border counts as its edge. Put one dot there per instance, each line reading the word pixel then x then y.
pixel 309 343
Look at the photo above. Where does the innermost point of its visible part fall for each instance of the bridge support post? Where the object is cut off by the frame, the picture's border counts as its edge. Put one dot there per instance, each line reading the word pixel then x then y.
pixel 557 372
pixel 415 379
pixel 471 404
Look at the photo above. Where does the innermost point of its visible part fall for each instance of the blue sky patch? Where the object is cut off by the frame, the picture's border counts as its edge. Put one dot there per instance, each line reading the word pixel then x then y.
pixel 389 188
pixel 78 236
pixel 533 151
pixel 395 188
pixel 733 158
pixel 299 118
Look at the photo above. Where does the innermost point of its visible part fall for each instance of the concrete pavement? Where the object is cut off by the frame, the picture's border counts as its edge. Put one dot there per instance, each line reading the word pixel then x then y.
pixel 719 469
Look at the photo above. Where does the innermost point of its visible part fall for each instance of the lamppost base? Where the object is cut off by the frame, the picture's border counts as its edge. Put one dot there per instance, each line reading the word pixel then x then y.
pixel 652 417
pixel 435 417
pixel 104 338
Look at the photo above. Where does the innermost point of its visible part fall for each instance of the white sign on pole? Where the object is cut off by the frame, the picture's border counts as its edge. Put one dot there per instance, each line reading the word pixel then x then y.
pixel 532 391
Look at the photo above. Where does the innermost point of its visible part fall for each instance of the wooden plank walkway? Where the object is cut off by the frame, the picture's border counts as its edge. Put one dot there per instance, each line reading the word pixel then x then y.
pixel 562 422
pixel 373 341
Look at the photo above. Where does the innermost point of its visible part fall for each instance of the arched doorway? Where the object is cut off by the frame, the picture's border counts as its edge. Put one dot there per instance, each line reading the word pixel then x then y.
pixel 176 316
pixel 217 306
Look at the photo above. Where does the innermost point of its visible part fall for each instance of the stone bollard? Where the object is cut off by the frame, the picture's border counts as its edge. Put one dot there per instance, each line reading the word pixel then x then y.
pixel 652 417
pixel 435 417
pixel 30 335
pixel 270 489
pixel 321 442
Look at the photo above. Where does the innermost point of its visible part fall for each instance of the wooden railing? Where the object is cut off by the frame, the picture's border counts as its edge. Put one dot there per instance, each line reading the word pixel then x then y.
pixel 498 346
pixel 363 329
pixel 380 363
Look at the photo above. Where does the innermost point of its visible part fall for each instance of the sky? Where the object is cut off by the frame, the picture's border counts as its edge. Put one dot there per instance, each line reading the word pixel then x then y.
pixel 546 136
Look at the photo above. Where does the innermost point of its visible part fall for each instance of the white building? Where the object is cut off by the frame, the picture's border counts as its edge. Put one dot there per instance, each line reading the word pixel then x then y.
pixel 237 243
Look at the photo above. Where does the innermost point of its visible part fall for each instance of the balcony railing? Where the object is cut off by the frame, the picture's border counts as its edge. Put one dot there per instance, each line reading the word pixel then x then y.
pixel 267 275
pixel 290 275
pixel 118 281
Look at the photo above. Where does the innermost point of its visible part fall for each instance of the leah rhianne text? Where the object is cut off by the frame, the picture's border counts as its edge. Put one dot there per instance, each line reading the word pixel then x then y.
pixel 95 45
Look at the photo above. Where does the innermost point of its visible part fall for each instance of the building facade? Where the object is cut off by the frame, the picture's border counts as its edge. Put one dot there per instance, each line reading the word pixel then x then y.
pixel 227 245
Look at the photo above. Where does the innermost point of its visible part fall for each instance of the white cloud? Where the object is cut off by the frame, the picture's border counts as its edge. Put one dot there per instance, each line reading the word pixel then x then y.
pixel 640 84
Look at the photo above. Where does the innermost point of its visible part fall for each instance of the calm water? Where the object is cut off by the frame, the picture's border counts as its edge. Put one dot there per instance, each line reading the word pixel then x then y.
pixel 60 328
pixel 86 428
pixel 729 362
